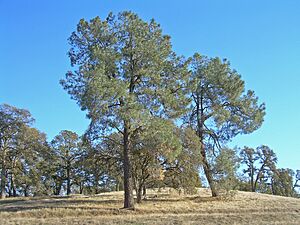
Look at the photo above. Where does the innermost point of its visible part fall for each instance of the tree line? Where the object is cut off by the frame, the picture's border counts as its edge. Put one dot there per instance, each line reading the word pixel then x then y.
pixel 70 164
pixel 156 119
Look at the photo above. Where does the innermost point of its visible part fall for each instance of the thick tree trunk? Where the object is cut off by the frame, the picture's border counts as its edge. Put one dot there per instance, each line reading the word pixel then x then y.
pixel 139 194
pixel 128 182
pixel 208 174
pixel 209 178
pixel 206 166
pixel 3 178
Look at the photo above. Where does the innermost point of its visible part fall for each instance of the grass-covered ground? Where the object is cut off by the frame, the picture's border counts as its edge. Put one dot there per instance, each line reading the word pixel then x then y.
pixel 165 207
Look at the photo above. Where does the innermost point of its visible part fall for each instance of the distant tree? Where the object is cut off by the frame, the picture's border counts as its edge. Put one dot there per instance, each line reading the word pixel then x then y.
pixel 67 149
pixel 225 169
pixel 249 158
pixel 297 179
pixel 29 151
pixel 182 172
pixel 125 74
pixel 282 182
pixel 151 147
pixel 102 163
pixel 12 120
pixel 220 107
pixel 259 162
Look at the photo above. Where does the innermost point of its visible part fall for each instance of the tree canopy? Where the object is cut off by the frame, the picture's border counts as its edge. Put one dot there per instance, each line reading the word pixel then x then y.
pixel 220 107
pixel 125 75
pixel 156 120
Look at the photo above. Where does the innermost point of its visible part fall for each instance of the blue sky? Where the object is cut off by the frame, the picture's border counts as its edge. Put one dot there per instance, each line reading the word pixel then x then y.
pixel 260 38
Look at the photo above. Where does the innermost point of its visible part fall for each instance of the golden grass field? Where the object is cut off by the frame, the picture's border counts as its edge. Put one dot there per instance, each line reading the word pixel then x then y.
pixel 165 207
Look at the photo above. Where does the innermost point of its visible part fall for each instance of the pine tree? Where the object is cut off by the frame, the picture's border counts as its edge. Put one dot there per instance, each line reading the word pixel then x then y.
pixel 125 73
pixel 220 108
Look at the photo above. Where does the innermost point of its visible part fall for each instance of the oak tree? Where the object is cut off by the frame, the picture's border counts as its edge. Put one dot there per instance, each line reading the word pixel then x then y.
pixel 12 120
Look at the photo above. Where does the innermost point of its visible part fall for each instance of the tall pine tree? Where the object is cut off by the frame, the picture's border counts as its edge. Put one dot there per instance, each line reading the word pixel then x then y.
pixel 125 73
pixel 220 108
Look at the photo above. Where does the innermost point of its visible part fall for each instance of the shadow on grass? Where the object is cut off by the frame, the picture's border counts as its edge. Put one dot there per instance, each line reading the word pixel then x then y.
pixel 55 203
pixel 9 201
pixel 96 210
pixel 194 199
pixel 204 199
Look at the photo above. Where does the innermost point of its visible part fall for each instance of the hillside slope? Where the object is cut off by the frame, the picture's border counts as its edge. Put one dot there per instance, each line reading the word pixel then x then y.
pixel 165 207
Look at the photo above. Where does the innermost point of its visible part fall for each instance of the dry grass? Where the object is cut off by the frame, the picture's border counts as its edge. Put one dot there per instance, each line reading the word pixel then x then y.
pixel 165 207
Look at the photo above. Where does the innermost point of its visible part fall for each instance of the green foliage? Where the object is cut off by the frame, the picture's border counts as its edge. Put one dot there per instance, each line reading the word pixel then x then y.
pixel 259 163
pixel 125 75
pixel 66 151
pixel 282 182
pixel 155 119
pixel 30 149
pixel 102 164
pixel 225 169
pixel 220 101
pixel 125 70
pixel 183 171
pixel 220 107
pixel 21 147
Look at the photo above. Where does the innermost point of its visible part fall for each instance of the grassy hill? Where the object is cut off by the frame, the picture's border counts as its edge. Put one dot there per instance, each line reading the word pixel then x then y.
pixel 165 207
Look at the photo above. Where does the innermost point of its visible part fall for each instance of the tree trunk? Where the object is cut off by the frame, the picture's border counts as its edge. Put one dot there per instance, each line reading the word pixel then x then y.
pixel 96 184
pixel 13 186
pixel 26 191
pixel 117 186
pixel 68 181
pixel 200 133
pixel 57 187
pixel 81 185
pixel 252 180
pixel 3 178
pixel 144 191
pixel 206 166
pixel 139 194
pixel 128 183
pixel 208 175
pixel 9 191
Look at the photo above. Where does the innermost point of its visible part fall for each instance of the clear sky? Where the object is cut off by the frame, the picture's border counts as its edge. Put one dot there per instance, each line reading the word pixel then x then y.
pixel 260 38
